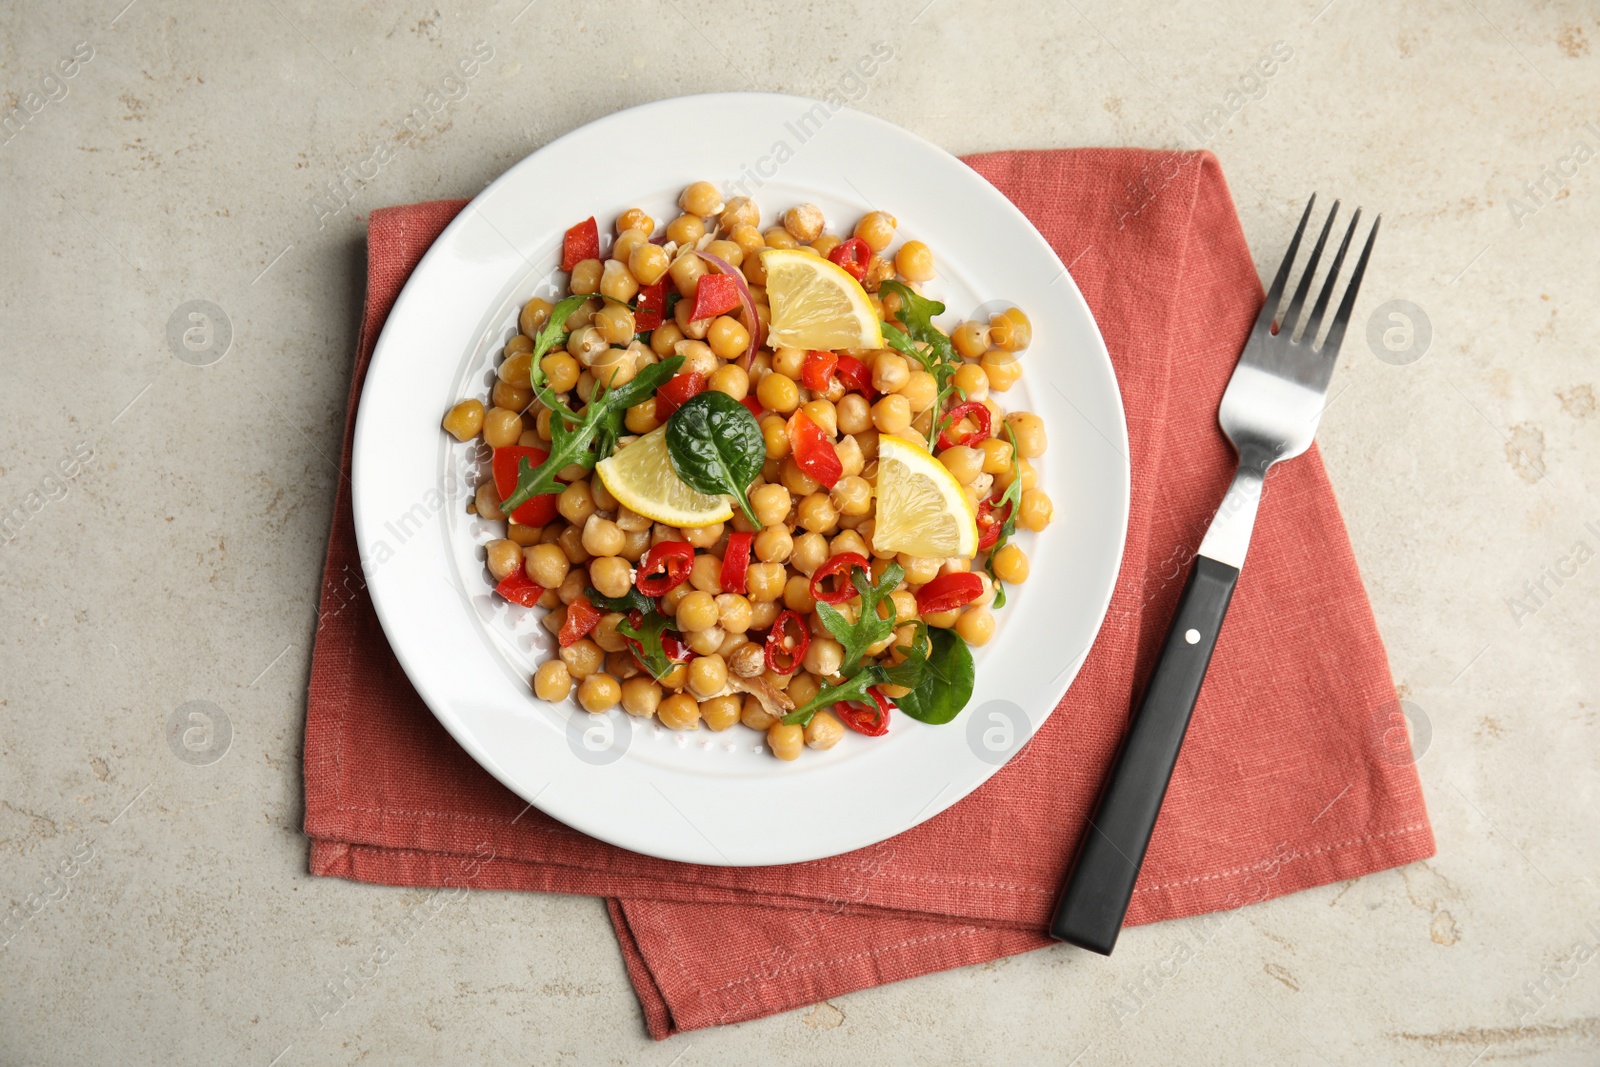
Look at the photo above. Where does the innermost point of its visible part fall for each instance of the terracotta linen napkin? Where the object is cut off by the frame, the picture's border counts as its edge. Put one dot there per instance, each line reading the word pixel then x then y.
pixel 1296 772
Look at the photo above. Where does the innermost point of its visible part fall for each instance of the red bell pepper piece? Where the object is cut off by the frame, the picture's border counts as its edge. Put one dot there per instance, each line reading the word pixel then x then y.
pixel 856 376
pixel 651 309
pixel 582 242
pixel 816 373
pixel 753 406
pixel 671 393
pixel 673 559
pixel 582 617
pixel 518 588
pixel 837 566
pixel 716 294
pixel 535 511
pixel 872 720
pixel 990 520
pixel 736 561
pixel 852 255
pixel 948 592
pixel 979 413
pixel 785 650
pixel 813 449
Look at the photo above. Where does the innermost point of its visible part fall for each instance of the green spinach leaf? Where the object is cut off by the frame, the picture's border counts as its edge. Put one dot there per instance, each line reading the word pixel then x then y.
pixel 716 446
pixel 946 683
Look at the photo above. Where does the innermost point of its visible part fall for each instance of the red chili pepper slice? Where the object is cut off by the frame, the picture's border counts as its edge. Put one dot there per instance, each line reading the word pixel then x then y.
pixel 716 294
pixel 753 406
pixel 581 618
pixel 671 393
pixel 675 557
pixel 784 651
pixel 948 592
pixel 856 376
pixel 837 566
pixel 651 309
pixel 863 718
pixel 816 373
pixel 990 520
pixel 582 242
pixel 852 255
pixel 518 588
pixel 736 561
pixel 979 413
pixel 535 511
pixel 813 449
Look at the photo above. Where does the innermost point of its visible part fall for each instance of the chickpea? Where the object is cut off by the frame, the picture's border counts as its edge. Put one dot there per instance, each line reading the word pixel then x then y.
pixel 914 261
pixel 647 263
pixel 1003 369
pixel 701 199
pixel 963 463
pixel 705 574
pixel 852 413
pixel 598 693
pixel 774 544
pixel 585 277
pixel 503 557
pixel 1028 429
pixel 721 712
pixel 1011 564
pixel 975 626
pixel 464 420
pixel 635 219
pixel 696 611
pixel 764 582
pixel 739 211
pixel 971 339
pixel 552 681
pixel 748 238
pixel 668 604
pixel 775 428
pixel 707 675
pixel 804 222
pixel 686 230
pixel 851 461
pixel 697 358
pixel 797 595
pixel 727 337
pixel 777 392
pixel 571 587
pixel 796 480
pixel 733 611
pixel 785 740
pixel 996 455
pixel 706 642
pixel 1010 330
pixel 679 712
pixel 889 371
pixel 560 371
pixel 770 503
pixel 942 620
pixel 546 565
pixel 686 270
pixel 617 282
pixel 892 414
pixel 823 731
pixel 789 362
pixel 486 502
pixel 817 514
pixel 852 495
pixel 615 324
pixel 511 397
pixel 576 503
pixel 634 545
pixel 920 570
pixel 582 658
pixel 625 244
pixel 641 418
pixel 501 427
pixel 570 541
pixel 523 536
pixel 810 552
pixel 731 379
pixel 610 575
pixel 641 696
pixel 824 656
pixel 535 313
pixel 728 251
pixel 755 715
pixel 664 339
pixel 876 228
pixel 920 391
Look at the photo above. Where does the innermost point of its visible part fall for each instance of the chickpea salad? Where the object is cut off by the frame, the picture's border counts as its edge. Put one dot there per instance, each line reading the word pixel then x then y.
pixel 750 480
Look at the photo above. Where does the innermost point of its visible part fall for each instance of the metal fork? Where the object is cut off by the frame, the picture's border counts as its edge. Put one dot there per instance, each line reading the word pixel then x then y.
pixel 1270 413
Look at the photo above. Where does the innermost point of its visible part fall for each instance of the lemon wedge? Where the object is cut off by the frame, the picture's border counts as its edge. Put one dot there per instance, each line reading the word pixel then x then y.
pixel 922 509
pixel 640 475
pixel 816 304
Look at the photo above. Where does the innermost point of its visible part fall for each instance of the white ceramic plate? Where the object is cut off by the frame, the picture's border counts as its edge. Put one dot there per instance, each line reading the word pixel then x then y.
pixel 707 797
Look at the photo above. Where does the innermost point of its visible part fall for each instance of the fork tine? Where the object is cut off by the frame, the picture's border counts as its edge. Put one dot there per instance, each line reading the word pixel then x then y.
pixel 1291 317
pixel 1315 322
pixel 1270 309
pixel 1341 318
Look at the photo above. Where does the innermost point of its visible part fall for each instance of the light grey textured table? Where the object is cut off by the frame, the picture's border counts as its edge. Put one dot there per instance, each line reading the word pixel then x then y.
pixel 189 155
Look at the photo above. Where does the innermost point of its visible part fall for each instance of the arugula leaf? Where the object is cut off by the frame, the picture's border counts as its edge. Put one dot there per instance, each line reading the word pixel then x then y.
pixel 868 629
pixel 600 424
pixel 651 654
pixel 632 600
pixel 907 673
pixel 946 683
pixel 938 359
pixel 1013 495
pixel 716 446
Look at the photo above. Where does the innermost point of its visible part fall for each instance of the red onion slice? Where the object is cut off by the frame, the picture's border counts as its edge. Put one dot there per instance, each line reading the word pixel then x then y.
pixel 757 331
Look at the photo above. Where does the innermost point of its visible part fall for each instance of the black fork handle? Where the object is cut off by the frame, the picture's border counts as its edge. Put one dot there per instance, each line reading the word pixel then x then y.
pixel 1095 899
